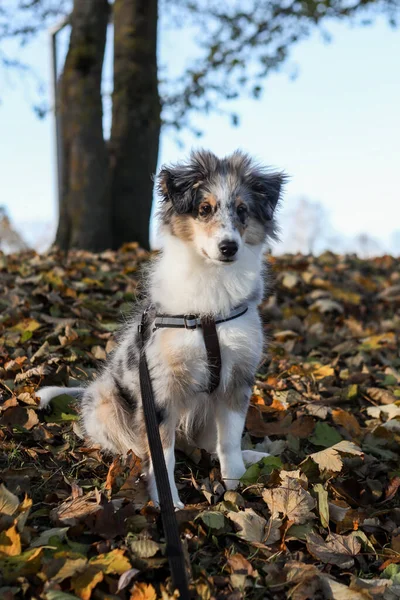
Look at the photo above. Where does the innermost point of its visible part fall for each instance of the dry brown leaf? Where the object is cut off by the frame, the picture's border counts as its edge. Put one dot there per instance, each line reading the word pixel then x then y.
pixel 9 502
pixel 338 591
pixel 115 469
pixel 19 416
pixel 386 411
pixel 335 550
pixel 99 353
pixel 381 395
pixel 72 511
pixel 252 527
pixel 255 424
pixel 239 564
pixel 290 501
pixel 330 459
pixel 348 421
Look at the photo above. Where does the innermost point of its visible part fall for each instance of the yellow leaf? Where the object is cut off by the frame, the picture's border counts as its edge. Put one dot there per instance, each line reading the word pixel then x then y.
pixel 374 342
pixel 26 325
pixel 143 591
pixel 10 542
pixel 85 582
pixel 112 562
pixel 346 296
pixel 323 371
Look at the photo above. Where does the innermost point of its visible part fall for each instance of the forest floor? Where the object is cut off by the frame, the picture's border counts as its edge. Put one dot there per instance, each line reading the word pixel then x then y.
pixel 320 518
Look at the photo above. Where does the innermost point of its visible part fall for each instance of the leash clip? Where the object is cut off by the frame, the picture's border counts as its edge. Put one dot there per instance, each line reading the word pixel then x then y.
pixel 142 322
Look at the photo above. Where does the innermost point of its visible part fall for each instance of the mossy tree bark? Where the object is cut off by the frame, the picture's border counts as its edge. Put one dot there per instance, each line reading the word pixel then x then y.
pixel 85 203
pixel 135 119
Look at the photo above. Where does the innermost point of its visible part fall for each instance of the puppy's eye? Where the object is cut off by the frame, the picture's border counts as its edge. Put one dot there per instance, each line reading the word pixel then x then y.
pixel 241 210
pixel 204 209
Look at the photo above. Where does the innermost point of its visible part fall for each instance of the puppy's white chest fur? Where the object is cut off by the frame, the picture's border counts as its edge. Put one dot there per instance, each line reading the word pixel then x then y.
pixel 183 353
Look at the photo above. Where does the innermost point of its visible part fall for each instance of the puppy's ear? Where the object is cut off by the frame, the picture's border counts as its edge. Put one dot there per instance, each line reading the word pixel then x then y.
pixel 179 183
pixel 266 190
pixel 176 185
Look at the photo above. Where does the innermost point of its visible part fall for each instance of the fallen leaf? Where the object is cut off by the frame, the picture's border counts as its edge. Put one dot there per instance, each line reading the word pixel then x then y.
pixel 348 421
pixel 62 409
pixel 264 467
pixel 18 416
pixel 26 325
pixel 72 511
pixel 323 371
pixel 68 568
pixel 239 564
pixel 59 595
pixel 8 501
pixel 99 353
pixel 322 503
pixel 112 562
pixel 126 578
pixel 251 527
pixel 389 411
pixel 335 550
pixel 290 501
pixel 10 542
pixel 22 565
pixel 145 548
pixel 338 591
pixel 325 305
pixel 330 460
pixel 143 591
pixel 374 342
pixel 114 471
pixel 84 583
pixel 44 539
pixel 381 395
pixel 325 435
pixel 214 520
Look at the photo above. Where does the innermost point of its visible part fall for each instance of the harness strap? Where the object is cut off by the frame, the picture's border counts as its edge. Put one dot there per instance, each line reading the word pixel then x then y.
pixel 213 350
pixel 175 553
pixel 192 321
pixel 210 335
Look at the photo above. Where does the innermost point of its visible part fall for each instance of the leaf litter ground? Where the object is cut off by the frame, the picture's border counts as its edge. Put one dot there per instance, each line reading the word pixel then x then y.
pixel 319 518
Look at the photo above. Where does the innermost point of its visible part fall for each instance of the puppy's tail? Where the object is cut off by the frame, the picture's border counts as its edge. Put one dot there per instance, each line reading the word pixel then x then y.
pixel 47 394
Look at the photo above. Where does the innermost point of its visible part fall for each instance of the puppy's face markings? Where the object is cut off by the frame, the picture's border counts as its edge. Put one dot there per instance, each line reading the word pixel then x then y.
pixel 219 205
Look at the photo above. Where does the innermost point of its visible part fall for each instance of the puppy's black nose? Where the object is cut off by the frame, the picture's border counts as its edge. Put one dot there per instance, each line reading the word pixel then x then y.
pixel 228 248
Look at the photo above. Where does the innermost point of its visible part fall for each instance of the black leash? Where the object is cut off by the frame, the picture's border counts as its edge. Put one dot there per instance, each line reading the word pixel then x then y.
pixel 176 557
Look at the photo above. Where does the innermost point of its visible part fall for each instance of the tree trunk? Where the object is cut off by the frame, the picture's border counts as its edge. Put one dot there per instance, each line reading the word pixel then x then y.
pixel 85 209
pixel 135 119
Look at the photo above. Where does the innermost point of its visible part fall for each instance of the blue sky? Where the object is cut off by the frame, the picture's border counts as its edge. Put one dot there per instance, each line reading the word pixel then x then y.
pixel 335 130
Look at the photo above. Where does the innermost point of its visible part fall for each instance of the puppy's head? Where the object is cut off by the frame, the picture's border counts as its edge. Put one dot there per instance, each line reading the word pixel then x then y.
pixel 219 206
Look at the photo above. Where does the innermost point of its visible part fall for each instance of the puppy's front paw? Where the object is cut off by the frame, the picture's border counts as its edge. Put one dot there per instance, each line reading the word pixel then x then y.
pixel 231 484
pixel 252 457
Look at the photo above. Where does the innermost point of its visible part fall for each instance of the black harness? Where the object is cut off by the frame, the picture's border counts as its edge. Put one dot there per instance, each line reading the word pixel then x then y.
pixel 208 326
pixel 176 557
